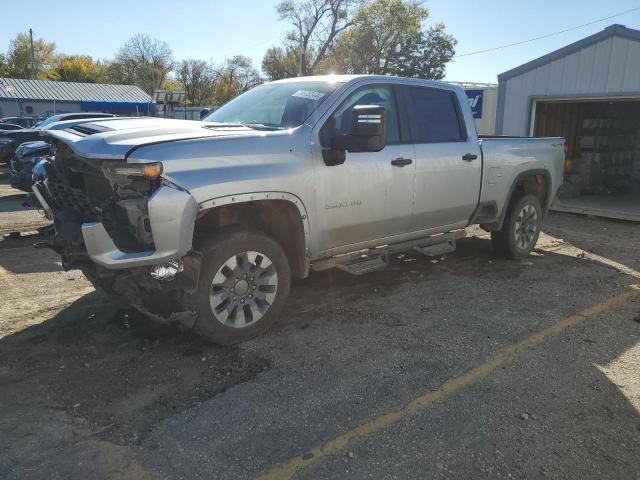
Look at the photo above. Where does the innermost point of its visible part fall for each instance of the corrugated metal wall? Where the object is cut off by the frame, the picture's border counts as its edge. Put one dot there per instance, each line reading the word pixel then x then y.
pixel 608 67
pixel 17 108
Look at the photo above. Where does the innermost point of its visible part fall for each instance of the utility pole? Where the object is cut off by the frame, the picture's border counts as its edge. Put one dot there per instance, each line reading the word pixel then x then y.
pixel 301 59
pixel 301 62
pixel 33 57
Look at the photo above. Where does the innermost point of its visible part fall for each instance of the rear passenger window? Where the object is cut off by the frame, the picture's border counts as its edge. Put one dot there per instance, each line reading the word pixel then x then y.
pixel 434 116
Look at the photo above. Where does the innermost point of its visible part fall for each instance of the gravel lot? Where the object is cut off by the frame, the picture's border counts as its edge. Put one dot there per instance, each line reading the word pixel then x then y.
pixel 87 391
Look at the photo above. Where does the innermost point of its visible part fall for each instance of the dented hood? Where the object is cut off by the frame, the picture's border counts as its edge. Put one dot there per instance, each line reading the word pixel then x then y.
pixel 114 138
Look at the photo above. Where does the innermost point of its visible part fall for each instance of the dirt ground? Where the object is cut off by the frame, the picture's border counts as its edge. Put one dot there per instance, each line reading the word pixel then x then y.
pixel 465 366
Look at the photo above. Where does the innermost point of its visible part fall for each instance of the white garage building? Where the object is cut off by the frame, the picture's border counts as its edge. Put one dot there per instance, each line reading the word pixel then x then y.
pixel 589 93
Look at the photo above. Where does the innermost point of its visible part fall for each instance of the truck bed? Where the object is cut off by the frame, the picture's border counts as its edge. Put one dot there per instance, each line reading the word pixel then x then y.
pixel 504 159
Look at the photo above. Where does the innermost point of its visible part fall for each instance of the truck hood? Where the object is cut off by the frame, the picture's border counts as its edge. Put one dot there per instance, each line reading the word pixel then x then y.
pixel 116 138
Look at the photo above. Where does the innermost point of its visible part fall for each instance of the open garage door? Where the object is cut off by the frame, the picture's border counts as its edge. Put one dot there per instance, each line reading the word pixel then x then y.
pixel 602 173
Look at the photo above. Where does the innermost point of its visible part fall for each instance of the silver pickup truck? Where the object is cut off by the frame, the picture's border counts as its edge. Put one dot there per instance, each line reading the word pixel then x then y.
pixel 206 222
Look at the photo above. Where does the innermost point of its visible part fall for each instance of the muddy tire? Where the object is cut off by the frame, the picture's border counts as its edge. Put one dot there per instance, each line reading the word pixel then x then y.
pixel 521 227
pixel 243 285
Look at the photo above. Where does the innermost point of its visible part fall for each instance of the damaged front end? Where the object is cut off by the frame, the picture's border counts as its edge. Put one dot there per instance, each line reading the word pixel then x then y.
pixel 129 230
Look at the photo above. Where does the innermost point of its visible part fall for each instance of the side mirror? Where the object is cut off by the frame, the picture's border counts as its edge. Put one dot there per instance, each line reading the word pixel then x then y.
pixel 367 134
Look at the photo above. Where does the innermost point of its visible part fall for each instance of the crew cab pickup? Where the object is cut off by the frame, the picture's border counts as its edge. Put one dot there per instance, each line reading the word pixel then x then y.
pixel 206 222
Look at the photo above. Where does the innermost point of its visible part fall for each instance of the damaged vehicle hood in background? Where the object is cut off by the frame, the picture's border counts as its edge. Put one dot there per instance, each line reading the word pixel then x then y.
pixel 115 138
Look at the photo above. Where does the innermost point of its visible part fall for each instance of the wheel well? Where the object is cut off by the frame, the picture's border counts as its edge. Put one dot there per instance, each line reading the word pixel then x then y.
pixel 278 218
pixel 537 185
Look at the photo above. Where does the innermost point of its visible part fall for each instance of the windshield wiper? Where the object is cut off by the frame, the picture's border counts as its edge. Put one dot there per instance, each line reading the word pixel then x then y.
pixel 223 124
pixel 254 126
pixel 262 126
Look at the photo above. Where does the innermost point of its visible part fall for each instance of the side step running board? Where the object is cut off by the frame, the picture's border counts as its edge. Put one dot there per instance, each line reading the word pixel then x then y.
pixel 365 261
pixel 365 265
pixel 437 249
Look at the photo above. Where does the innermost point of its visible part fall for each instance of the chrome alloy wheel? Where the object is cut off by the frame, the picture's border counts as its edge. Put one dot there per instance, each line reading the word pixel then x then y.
pixel 243 289
pixel 526 227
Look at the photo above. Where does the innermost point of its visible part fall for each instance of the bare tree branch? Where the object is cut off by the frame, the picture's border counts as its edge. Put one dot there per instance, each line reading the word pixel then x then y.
pixel 317 24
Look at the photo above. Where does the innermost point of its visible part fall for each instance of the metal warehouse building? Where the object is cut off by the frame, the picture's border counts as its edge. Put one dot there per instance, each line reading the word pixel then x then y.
pixel 589 93
pixel 42 98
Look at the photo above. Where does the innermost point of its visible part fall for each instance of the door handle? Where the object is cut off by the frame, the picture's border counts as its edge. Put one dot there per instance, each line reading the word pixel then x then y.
pixel 468 157
pixel 401 162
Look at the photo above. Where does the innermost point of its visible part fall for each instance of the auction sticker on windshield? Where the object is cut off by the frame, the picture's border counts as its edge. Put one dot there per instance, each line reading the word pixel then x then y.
pixel 310 94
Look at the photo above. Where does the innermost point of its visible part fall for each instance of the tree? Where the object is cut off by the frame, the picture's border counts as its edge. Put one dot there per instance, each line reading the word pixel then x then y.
pixel 198 78
pixel 144 61
pixel 428 57
pixel 388 38
pixel 236 76
pixel 19 58
pixel 317 24
pixel 79 68
pixel 4 67
pixel 279 62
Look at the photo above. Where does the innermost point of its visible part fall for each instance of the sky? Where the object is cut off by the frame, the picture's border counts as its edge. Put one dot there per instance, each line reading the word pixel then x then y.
pixel 215 29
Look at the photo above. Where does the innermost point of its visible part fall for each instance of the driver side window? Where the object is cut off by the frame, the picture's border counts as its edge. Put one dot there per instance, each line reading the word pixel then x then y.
pixel 340 121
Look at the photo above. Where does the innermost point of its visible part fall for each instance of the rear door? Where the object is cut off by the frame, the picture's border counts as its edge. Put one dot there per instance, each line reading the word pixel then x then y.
pixel 447 156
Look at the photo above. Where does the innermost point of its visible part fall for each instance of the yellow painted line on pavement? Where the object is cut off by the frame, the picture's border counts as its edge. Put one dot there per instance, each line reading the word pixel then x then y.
pixel 424 402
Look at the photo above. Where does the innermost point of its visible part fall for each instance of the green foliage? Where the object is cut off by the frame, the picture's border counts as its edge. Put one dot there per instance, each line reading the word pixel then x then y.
pixel 18 58
pixel 388 38
pixel 237 75
pixel 384 37
pixel 79 68
pixel 4 67
pixel 428 57
pixel 281 62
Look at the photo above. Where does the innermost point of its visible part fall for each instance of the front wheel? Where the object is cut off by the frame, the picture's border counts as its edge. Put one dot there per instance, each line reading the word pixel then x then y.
pixel 521 228
pixel 244 282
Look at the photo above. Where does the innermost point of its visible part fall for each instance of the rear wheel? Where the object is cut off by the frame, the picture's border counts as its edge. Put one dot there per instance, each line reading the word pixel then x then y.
pixel 244 282
pixel 521 228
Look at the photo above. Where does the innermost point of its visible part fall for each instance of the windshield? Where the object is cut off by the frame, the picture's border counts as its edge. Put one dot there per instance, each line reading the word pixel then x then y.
pixel 274 106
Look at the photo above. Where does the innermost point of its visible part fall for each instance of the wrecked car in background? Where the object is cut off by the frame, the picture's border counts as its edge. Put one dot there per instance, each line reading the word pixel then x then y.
pixel 10 140
pixel 207 222
pixel 27 155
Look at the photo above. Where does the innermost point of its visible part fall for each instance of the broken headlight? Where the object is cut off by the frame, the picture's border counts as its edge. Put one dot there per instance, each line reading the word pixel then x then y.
pixel 150 171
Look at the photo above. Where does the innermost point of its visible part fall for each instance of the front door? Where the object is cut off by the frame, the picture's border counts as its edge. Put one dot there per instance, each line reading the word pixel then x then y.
pixel 369 196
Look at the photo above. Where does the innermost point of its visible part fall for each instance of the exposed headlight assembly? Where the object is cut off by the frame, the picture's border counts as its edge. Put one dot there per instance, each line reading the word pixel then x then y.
pixel 144 170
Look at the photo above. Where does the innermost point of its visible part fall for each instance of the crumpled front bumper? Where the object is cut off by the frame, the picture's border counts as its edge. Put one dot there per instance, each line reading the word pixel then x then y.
pixel 172 215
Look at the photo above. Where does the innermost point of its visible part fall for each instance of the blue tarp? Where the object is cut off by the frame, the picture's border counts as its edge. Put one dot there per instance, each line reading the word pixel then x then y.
pixel 131 108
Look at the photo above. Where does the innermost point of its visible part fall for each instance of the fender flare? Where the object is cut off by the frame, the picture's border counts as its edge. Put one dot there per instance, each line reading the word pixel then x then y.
pixel 258 196
pixel 527 173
